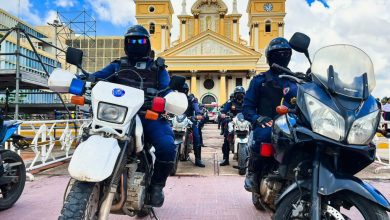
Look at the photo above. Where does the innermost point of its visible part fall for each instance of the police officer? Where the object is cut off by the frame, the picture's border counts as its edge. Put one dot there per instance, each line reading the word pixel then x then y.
pixel 220 120
pixel 195 115
pixel 233 107
pixel 138 59
pixel 265 93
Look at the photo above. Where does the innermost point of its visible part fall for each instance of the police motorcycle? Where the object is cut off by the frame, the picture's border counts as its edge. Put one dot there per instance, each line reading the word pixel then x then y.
pixel 112 167
pixel 12 168
pixel 320 145
pixel 240 129
pixel 180 126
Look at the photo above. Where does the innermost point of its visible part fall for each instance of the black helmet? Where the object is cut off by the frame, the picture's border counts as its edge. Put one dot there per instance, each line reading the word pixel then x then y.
pixel 137 42
pixel 191 97
pixel 239 93
pixel 231 96
pixel 279 52
pixel 185 89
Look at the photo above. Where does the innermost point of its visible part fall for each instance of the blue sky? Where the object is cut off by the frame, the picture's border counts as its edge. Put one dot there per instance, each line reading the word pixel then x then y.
pixel 362 23
pixel 45 10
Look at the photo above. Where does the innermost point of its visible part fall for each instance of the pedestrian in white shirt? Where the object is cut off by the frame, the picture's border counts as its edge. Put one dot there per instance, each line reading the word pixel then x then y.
pixel 386 110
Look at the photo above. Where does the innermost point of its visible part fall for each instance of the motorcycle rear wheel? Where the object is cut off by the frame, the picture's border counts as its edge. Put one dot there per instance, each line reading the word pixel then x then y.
pixel 174 170
pixel 368 209
pixel 11 192
pixel 242 158
pixel 82 202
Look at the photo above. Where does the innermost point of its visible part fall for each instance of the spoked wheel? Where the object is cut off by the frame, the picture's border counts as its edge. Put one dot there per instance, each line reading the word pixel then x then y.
pixel 187 148
pixel 178 148
pixel 342 206
pixel 13 179
pixel 242 157
pixel 82 202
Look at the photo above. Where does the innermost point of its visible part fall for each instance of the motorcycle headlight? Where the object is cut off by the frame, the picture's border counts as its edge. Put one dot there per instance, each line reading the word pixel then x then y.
pixel 363 129
pixel 324 120
pixel 111 113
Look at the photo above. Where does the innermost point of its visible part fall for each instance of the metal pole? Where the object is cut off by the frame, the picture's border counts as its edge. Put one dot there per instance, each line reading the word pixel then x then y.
pixel 17 72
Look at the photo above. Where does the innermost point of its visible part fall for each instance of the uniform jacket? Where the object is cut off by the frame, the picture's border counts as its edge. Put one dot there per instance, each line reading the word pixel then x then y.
pixel 267 91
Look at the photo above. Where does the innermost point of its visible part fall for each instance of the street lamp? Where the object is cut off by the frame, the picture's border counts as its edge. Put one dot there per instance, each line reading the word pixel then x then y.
pixel 56 24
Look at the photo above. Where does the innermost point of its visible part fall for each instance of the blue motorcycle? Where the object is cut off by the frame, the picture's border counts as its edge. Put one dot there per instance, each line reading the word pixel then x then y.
pixel 319 145
pixel 12 168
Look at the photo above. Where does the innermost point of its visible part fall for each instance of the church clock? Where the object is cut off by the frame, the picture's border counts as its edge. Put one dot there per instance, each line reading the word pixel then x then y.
pixel 268 7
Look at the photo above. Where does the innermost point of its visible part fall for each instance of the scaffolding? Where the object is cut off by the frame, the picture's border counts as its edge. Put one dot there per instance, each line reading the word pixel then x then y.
pixel 74 29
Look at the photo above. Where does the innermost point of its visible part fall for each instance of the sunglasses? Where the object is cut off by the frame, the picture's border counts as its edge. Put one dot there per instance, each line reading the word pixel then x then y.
pixel 142 41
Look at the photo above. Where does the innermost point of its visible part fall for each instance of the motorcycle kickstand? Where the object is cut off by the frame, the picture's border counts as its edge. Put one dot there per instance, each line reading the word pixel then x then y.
pixel 153 214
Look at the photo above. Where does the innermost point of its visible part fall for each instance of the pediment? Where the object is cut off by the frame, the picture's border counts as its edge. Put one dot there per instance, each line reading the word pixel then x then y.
pixel 209 43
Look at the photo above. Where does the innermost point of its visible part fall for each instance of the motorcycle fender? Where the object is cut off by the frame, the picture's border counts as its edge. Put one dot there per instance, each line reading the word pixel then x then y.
pixel 94 159
pixel 331 184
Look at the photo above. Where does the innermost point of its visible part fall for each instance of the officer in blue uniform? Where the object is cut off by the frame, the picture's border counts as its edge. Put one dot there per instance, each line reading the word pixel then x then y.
pixel 266 92
pixel 233 107
pixel 158 133
pixel 195 115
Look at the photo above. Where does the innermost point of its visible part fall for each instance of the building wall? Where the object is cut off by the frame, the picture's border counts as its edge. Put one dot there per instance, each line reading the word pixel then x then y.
pixel 46 54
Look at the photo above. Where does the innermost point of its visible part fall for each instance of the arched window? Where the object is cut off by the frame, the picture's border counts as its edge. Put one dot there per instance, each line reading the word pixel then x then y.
pixel 152 28
pixel 268 26
pixel 208 99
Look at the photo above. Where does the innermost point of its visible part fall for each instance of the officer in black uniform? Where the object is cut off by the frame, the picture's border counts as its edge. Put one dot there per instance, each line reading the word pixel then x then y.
pixel 233 108
pixel 138 63
pixel 266 92
pixel 195 115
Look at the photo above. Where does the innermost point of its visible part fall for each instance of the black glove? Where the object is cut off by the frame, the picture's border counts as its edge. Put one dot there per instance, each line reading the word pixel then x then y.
pixel 264 121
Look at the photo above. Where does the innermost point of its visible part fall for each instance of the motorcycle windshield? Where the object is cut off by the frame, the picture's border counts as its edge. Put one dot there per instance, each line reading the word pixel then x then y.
pixel 350 64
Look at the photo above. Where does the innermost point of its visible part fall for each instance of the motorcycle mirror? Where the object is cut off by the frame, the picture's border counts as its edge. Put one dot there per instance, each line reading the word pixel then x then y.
pixel 177 82
pixel 74 56
pixel 282 110
pixel 300 42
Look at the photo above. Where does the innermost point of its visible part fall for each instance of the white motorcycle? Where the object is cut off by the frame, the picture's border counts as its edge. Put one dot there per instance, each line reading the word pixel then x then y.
pixel 180 125
pixel 240 128
pixel 111 169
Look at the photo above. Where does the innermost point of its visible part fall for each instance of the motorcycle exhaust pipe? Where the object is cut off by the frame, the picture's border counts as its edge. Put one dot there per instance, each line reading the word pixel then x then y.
pixel 118 206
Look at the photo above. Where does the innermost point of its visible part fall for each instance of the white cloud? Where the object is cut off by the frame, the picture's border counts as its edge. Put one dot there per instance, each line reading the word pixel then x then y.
pixel 51 16
pixel 362 23
pixel 24 10
pixel 357 22
pixel 65 3
pixel 118 12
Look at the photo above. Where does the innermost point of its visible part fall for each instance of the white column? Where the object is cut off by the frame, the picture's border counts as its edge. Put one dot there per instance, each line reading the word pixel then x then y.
pixel 235 32
pixel 281 30
pixel 163 40
pixel 256 37
pixel 183 32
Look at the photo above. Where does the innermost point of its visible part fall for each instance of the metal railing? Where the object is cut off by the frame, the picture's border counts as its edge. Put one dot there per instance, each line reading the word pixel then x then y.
pixel 49 141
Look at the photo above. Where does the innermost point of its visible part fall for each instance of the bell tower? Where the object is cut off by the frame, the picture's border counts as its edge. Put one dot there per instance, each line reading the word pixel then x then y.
pixel 156 17
pixel 265 21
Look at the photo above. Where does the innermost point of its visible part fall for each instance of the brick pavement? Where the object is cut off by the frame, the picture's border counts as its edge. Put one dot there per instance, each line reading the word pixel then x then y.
pixel 195 194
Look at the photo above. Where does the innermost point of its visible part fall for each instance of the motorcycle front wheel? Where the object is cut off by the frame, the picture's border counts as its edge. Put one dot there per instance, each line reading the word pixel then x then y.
pixel 13 167
pixel 346 205
pixel 82 202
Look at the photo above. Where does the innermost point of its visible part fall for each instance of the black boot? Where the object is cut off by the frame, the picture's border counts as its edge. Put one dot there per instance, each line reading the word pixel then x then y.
pixel 162 169
pixel 198 158
pixel 225 162
pixel 225 152
pixel 252 177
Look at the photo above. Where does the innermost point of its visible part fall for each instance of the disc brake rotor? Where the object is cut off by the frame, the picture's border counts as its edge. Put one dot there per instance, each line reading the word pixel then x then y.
pixel 330 211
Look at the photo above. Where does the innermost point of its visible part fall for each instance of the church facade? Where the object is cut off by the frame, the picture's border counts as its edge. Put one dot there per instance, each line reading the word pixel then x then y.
pixel 210 52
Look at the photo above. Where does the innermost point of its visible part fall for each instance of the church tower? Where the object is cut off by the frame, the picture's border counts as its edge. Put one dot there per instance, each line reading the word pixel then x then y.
pixel 265 21
pixel 156 17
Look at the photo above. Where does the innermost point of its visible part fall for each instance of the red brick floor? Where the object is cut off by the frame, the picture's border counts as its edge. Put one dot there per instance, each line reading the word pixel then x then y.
pixel 214 198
